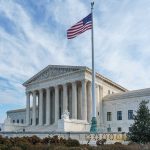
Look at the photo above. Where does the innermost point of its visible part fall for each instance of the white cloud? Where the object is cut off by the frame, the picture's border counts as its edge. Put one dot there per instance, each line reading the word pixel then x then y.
pixel 121 42
pixel 27 52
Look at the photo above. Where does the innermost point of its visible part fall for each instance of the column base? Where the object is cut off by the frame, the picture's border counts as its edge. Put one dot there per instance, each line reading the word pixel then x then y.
pixel 93 128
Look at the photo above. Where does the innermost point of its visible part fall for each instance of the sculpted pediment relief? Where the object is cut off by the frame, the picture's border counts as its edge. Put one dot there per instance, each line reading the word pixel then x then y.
pixel 51 71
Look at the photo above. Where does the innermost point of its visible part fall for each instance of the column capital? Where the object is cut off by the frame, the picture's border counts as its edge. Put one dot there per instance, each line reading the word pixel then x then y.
pixel 74 82
pixel 34 92
pixel 84 81
pixel 40 90
pixel 47 88
pixel 56 86
pixel 96 85
pixel 64 85
pixel 27 92
pixel 101 87
pixel 89 83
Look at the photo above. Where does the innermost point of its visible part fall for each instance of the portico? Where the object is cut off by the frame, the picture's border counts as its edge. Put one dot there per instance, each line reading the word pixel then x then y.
pixel 57 89
pixel 74 97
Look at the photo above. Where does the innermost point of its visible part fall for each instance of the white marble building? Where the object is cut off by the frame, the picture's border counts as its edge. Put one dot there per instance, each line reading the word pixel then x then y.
pixel 57 89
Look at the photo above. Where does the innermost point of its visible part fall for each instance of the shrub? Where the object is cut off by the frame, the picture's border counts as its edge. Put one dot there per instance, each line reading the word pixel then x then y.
pixel 61 148
pixel 4 147
pixel 46 140
pixel 34 140
pixel 1 140
pixel 62 141
pixel 118 143
pixel 24 145
pixel 76 148
pixel 39 147
pixel 72 143
pixel 100 142
pixel 15 148
pixel 54 140
pixel 140 129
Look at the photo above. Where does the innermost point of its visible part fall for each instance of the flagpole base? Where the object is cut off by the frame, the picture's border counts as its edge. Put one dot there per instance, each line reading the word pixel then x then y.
pixel 93 128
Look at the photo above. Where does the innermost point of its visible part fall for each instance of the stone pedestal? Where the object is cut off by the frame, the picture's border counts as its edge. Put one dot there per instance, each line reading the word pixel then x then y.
pixel 93 125
pixel 73 125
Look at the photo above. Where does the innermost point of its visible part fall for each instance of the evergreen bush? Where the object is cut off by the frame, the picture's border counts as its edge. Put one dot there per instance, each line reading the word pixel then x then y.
pixel 140 130
pixel 72 143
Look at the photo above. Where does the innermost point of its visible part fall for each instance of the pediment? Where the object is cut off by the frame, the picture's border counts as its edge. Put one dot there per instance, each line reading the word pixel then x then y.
pixel 52 71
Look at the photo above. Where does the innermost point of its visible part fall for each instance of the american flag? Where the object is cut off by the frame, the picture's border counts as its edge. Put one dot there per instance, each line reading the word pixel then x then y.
pixel 80 27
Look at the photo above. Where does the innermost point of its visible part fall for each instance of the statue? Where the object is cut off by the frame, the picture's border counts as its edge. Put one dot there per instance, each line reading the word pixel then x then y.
pixel 65 115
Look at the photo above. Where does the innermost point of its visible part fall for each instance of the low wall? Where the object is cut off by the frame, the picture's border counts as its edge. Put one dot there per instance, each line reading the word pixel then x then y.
pixel 83 137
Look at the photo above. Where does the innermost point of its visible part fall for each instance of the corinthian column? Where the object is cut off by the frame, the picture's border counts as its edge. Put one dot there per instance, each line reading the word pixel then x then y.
pixel 97 99
pixel 41 107
pixel 74 100
pixel 79 103
pixel 34 109
pixel 56 103
pixel 65 98
pixel 89 102
pixel 27 108
pixel 84 101
pixel 47 106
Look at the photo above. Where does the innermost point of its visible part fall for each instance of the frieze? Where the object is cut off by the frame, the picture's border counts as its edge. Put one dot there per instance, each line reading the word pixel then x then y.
pixel 69 78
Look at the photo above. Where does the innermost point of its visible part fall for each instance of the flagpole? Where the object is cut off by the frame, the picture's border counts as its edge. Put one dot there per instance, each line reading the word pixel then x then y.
pixel 93 122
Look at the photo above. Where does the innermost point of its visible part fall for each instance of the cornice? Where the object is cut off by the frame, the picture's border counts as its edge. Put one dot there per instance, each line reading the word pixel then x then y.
pixel 81 69
pixel 52 78
pixel 128 94
pixel 58 80
pixel 107 80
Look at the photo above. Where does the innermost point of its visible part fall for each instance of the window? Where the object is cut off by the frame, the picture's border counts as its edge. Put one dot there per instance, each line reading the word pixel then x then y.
pixel 108 91
pixel 17 120
pixel 0 129
pixel 119 115
pixel 130 114
pixel 98 113
pixel 13 121
pixel 22 121
pixel 37 120
pixel 129 129
pixel 109 129
pixel 60 112
pixel 119 129
pixel 109 116
pixel 31 121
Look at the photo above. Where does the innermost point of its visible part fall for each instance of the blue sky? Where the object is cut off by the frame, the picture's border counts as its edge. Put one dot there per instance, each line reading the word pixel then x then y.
pixel 33 35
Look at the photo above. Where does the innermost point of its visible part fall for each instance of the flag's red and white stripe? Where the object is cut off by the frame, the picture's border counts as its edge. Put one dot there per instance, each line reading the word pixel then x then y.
pixel 78 28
